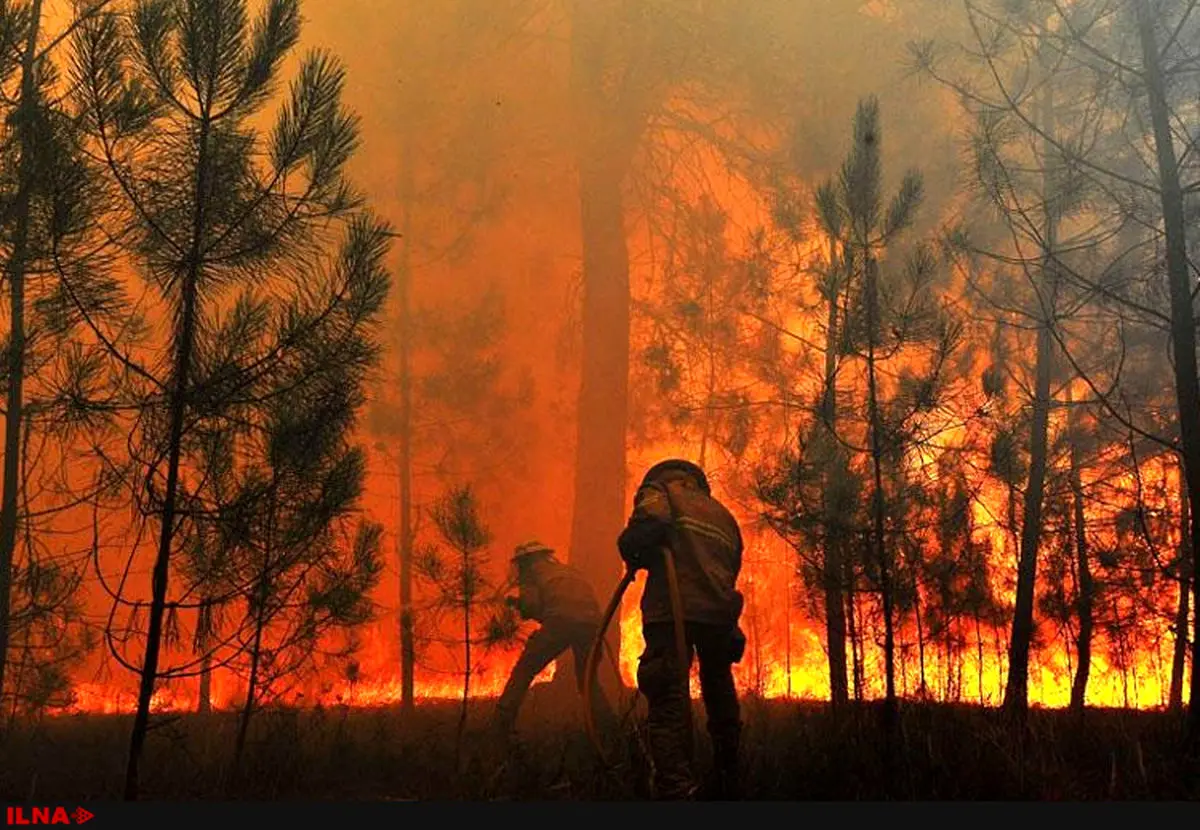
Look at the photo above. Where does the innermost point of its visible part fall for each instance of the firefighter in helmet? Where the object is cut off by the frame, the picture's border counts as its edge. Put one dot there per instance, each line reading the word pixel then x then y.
pixel 674 509
pixel 559 597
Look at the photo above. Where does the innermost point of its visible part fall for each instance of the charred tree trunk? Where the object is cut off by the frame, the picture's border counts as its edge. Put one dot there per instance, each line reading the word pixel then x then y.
pixel 921 683
pixel 204 629
pixel 832 568
pixel 204 704
pixel 1016 692
pixel 255 665
pixel 607 137
pixel 468 600
pixel 177 404
pixel 1182 613
pixel 1183 331
pixel 853 629
pixel 405 546
pixel 262 592
pixel 879 537
pixel 14 398
pixel 979 656
pixel 787 631
pixel 1084 601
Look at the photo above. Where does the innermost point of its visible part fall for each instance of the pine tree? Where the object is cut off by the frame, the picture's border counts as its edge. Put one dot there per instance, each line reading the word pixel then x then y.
pixel 56 403
pixel 225 226
pixel 901 335
pixel 457 569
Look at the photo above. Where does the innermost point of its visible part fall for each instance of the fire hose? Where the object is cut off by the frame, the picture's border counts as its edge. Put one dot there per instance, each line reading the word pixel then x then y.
pixel 593 659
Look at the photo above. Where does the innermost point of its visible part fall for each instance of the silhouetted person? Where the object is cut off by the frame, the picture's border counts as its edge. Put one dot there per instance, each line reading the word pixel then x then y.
pixel 561 599
pixel 674 508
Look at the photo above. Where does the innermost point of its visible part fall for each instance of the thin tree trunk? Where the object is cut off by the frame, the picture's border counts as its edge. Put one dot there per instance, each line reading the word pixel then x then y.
pixel 188 312
pixel 1122 653
pixel 958 673
pixel 787 624
pixel 1016 693
pixel 26 644
pixel 205 703
pixel 979 655
pixel 921 685
pixel 14 403
pixel 252 682
pixel 466 694
pixel 1182 613
pixel 854 630
pixel 1014 533
pixel 883 559
pixel 1183 332
pixel 832 570
pixel 407 639
pixel 262 593
pixel 1083 642
pixel 204 622
pixel 1001 663
pixel 754 635
pixel 19 678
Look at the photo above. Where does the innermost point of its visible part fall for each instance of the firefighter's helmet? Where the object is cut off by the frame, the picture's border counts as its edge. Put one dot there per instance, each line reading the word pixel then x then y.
pixel 677 465
pixel 527 550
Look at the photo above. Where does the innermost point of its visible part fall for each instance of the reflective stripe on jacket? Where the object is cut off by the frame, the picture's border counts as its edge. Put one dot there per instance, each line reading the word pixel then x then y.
pixel 706 544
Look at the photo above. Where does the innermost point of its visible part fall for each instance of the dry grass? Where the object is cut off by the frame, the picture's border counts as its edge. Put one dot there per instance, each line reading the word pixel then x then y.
pixel 792 751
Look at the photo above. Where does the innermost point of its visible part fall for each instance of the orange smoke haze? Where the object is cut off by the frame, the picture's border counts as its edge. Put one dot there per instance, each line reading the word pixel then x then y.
pixel 495 213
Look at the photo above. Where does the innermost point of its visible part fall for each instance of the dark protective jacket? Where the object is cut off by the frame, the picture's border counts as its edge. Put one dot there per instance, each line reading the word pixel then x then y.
pixel 553 592
pixel 705 542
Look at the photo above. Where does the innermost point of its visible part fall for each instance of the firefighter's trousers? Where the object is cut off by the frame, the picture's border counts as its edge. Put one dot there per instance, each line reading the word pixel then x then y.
pixel 541 649
pixel 718 648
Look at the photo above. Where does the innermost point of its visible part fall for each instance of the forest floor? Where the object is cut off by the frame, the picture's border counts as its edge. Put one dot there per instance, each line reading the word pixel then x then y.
pixel 792 751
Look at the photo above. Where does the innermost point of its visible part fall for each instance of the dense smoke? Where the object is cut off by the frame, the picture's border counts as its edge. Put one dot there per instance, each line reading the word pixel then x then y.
pixel 716 123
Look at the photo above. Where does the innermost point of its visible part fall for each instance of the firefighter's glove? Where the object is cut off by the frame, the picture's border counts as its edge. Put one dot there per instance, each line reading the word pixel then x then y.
pixel 639 542
pixel 632 559
pixel 737 645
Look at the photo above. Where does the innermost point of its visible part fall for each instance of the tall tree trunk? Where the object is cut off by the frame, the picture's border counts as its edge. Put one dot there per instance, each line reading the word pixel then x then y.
pixel 1083 642
pixel 979 656
pixel 255 664
pixel 262 591
pixel 882 553
pixel 921 683
pixel 853 629
pixel 1182 612
pixel 1183 331
pixel 204 705
pixel 1016 692
pixel 204 626
pixel 604 151
pixel 787 630
pixel 466 690
pixel 832 576
pixel 405 547
pixel 177 403
pixel 14 399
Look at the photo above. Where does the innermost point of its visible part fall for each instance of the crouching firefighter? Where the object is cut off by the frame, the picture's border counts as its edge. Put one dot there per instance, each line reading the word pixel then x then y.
pixel 674 510
pixel 561 599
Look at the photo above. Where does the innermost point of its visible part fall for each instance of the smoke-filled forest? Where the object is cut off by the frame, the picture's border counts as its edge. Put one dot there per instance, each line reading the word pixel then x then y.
pixel 313 312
